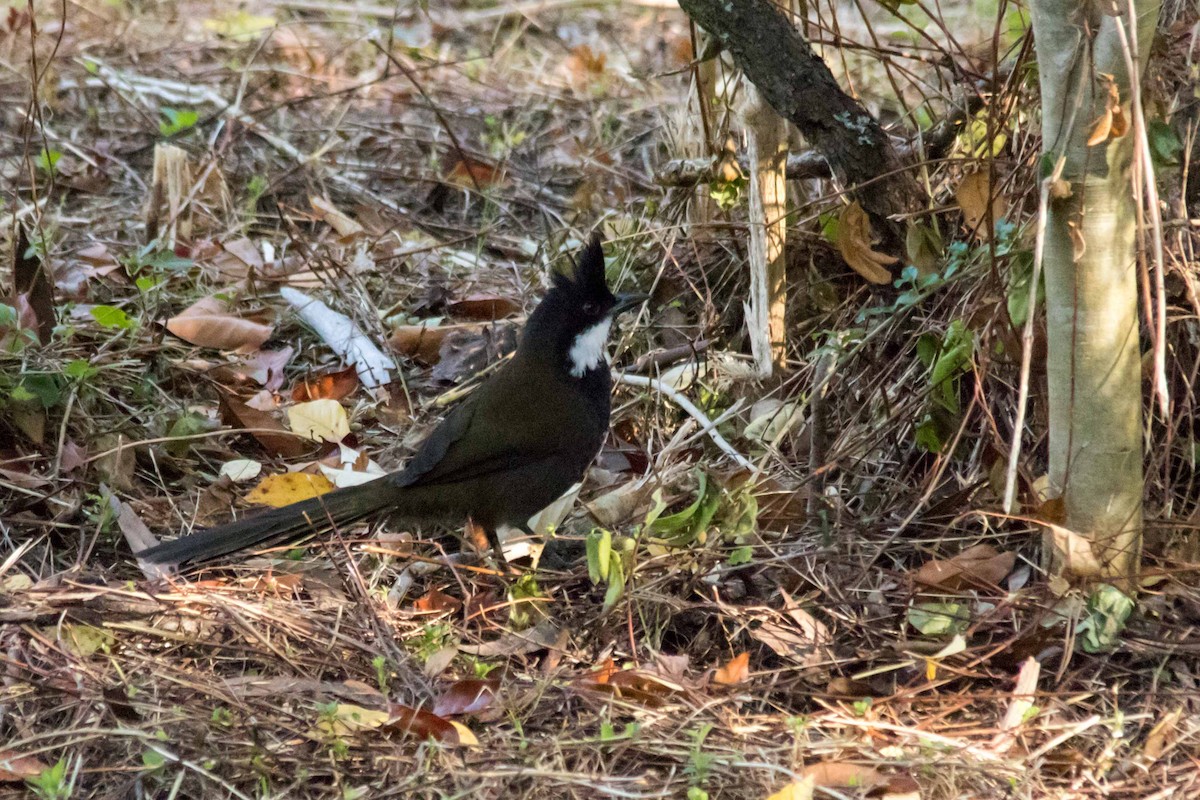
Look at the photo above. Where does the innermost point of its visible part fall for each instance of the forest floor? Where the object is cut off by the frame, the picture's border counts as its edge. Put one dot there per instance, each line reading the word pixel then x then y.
pixel 859 623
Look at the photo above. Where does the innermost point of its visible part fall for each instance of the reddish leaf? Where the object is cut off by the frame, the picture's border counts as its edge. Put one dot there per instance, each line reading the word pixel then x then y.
pixel 330 386
pixel 422 724
pixel 436 600
pixel 470 173
pixel 15 767
pixel 484 307
pixel 737 670
pixel 469 696
pixel 261 426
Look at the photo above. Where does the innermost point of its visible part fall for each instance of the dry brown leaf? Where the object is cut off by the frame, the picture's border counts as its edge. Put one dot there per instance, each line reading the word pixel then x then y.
pixel 435 600
pixel 423 343
pixel 979 565
pixel 335 217
pixel 585 63
pixel 513 643
pixel 841 774
pixel 1076 552
pixel 468 696
pixel 1160 736
pixel 15 767
pixel 854 243
pixel 261 426
pixel 1101 129
pixel 422 724
pixel 470 173
pixel 975 197
pixel 330 386
pixel 484 307
pixel 208 323
pixel 735 671
pixel 286 488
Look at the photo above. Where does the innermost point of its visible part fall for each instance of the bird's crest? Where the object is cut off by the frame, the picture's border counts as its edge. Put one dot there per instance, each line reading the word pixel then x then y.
pixel 587 273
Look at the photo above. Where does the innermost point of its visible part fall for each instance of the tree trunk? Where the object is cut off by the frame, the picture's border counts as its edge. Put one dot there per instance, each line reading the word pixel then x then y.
pixel 1093 360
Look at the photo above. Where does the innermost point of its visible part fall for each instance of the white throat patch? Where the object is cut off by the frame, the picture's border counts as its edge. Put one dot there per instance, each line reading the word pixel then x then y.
pixel 588 349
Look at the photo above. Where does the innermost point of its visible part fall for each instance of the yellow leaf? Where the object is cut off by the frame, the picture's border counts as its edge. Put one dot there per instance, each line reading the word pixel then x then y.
pixel 796 790
pixel 290 487
pixel 239 25
pixel 319 420
pixel 465 736
pixel 347 718
pixel 854 243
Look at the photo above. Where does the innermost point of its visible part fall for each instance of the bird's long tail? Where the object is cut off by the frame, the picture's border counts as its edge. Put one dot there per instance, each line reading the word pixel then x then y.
pixel 278 526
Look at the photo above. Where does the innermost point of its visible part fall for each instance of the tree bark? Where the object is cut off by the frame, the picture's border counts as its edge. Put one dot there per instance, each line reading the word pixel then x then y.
pixel 1093 358
pixel 799 86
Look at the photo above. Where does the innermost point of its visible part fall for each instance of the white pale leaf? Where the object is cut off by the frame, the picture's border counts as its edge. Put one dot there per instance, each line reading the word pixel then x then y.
pixel 241 469
pixel 320 420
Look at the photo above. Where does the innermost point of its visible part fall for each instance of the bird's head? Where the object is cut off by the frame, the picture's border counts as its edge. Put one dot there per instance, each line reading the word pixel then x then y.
pixel 571 323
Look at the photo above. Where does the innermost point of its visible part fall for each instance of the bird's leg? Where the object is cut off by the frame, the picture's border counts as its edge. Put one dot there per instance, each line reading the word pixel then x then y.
pixel 482 537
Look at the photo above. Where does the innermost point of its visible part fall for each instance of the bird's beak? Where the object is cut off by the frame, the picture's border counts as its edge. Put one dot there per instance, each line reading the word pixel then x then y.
pixel 626 302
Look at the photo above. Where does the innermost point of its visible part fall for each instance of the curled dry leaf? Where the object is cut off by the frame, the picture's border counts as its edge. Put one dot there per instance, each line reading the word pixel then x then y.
pixel 287 488
pixel 209 323
pixel 981 565
pixel 975 196
pixel 435 600
pixel 735 671
pixel 1075 550
pixel 854 243
pixel 330 386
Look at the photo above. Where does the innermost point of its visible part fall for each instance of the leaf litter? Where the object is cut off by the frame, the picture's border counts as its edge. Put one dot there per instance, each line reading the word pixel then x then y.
pixel 289 674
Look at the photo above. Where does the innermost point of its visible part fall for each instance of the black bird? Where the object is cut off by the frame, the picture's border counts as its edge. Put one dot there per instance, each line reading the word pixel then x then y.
pixel 509 450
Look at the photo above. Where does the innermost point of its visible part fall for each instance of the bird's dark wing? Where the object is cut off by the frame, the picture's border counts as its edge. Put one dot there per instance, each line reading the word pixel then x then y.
pixel 490 432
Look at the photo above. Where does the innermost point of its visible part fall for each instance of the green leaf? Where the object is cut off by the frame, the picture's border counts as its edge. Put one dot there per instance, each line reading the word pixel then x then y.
pixel 47 161
pixel 938 619
pixel 741 555
pixel 112 317
pixel 152 760
pixel 1165 146
pixel 599 551
pixel 43 387
pixel 616 583
pixel 79 370
pixel 50 783
pixel 1108 610
pixel 177 120
pixel 186 426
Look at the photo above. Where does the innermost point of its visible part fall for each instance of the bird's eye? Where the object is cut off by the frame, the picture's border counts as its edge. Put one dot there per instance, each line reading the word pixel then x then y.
pixel 591 309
